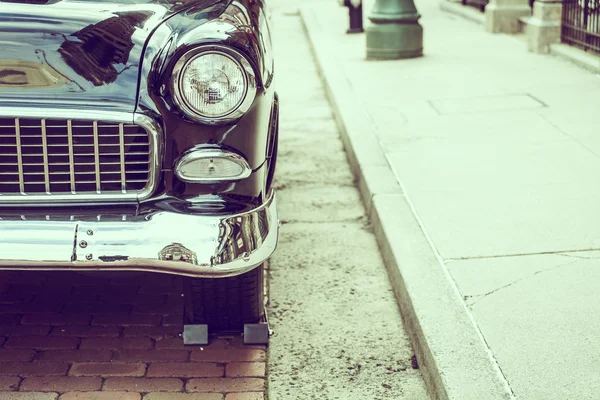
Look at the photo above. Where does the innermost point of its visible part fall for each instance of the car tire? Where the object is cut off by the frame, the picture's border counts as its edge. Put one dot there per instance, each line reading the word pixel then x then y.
pixel 226 304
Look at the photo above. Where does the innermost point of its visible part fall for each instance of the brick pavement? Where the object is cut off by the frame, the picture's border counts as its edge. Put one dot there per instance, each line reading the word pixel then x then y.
pixel 67 336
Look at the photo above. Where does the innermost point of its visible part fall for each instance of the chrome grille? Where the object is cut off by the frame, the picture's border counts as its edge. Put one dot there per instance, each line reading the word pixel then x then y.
pixel 73 157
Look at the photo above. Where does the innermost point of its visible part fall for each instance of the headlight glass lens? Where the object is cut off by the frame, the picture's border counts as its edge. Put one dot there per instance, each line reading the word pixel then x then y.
pixel 213 84
pixel 211 168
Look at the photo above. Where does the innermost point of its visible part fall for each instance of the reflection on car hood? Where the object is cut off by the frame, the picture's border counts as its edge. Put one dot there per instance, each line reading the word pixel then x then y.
pixel 82 54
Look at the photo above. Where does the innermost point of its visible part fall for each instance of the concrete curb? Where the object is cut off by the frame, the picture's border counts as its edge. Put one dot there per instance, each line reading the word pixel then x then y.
pixel 454 359
pixel 577 56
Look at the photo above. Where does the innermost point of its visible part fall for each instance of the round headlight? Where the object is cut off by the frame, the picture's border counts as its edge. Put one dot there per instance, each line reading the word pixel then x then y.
pixel 214 84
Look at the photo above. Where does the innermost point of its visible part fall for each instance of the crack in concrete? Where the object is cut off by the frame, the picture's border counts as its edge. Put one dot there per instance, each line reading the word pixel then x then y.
pixel 579 257
pixel 483 296
pixel 558 128
pixel 558 252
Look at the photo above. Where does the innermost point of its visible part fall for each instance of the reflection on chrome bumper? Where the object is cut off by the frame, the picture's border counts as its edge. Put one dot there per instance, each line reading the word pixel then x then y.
pixel 182 244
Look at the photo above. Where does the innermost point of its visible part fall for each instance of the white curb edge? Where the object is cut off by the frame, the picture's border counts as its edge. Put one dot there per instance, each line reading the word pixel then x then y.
pixel 454 359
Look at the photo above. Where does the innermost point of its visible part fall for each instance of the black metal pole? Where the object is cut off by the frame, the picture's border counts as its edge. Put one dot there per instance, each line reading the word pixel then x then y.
pixel 355 13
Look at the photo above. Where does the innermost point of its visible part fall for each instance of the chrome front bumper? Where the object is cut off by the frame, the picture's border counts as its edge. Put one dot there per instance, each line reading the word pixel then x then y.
pixel 167 242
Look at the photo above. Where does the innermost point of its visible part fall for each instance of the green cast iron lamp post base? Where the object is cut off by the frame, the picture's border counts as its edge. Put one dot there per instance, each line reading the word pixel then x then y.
pixel 395 32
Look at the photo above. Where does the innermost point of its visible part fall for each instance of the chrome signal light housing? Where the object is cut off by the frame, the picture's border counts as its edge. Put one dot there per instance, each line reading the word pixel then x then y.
pixel 211 166
pixel 213 84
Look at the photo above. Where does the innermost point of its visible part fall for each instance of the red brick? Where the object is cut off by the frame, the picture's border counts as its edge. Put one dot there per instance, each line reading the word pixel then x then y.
pixel 9 319
pixel 76 278
pixel 166 289
pixel 152 279
pixel 152 355
pixel 98 308
pixel 246 396
pixel 148 298
pixel 245 369
pixel 4 283
pixel 42 342
pixel 61 384
pixel 25 288
pixel 56 319
pixel 183 396
pixel 16 354
pixel 116 343
pixel 28 396
pixel 144 384
pixel 9 383
pixel 222 385
pixel 175 299
pixel 173 320
pixel 219 342
pixel 226 355
pixel 33 369
pixel 185 370
pixel 30 288
pixel 75 355
pixel 238 342
pixel 26 330
pixel 53 296
pixel 108 369
pixel 163 309
pixel 127 320
pixel 14 298
pixel 155 332
pixel 90 288
pixel 28 278
pixel 100 396
pixel 132 298
pixel 34 308
pixel 86 331
pixel 170 343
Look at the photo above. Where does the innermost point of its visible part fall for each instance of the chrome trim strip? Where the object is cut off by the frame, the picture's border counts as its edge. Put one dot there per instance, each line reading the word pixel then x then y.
pixel 19 155
pixel 122 157
pixel 236 56
pixel 97 158
pixel 45 157
pixel 200 153
pixel 151 126
pixel 71 156
pixel 156 149
pixel 167 242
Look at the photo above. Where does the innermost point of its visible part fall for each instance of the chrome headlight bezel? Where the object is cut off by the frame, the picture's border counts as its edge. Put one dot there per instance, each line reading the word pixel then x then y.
pixel 232 54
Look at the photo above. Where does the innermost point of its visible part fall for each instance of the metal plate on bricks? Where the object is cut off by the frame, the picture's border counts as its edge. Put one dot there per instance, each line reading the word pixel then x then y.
pixel 195 334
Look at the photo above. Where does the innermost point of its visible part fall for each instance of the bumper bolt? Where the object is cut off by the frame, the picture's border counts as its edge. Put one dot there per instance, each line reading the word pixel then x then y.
pixel 83 244
pixel 89 257
pixel 90 232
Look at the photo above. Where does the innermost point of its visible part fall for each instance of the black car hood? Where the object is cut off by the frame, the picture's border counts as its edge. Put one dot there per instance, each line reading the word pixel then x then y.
pixel 78 53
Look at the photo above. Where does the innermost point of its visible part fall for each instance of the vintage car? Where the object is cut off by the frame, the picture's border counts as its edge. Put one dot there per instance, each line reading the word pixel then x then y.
pixel 141 135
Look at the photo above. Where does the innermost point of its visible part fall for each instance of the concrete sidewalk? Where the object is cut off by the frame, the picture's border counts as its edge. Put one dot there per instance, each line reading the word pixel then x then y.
pixel 497 154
